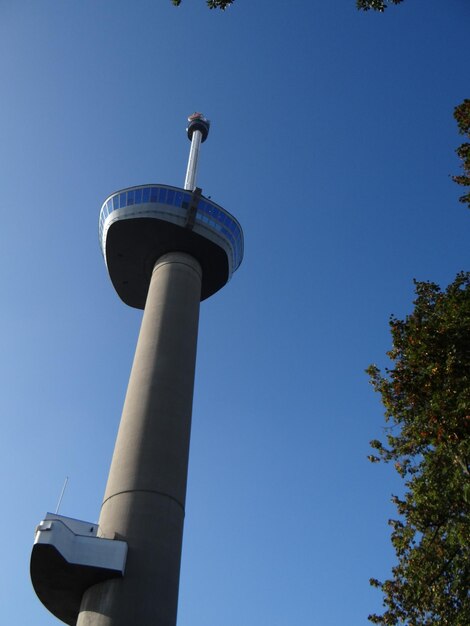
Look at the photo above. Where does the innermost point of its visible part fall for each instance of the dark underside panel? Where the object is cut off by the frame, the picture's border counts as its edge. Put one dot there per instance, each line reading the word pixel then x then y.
pixel 60 585
pixel 134 245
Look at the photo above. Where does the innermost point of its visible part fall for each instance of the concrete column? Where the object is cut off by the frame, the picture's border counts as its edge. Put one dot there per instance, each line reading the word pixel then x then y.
pixel 145 495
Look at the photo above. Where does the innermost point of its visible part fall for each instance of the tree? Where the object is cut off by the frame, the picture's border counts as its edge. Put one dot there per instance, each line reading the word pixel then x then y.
pixel 212 4
pixel 365 5
pixel 376 5
pixel 427 400
pixel 462 116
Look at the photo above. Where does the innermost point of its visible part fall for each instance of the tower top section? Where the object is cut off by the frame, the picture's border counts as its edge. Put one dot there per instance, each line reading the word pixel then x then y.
pixel 138 225
pixel 197 121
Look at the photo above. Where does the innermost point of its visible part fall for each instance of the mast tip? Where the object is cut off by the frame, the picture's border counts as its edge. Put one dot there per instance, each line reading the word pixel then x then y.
pixel 197 121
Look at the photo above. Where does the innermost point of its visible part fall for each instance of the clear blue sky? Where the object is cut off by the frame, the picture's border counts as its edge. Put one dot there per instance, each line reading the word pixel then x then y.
pixel 332 142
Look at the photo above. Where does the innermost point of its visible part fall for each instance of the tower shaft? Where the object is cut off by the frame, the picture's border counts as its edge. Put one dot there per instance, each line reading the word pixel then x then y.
pixel 145 495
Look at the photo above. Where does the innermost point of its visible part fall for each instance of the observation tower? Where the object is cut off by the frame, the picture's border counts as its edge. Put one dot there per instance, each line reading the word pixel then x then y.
pixel 166 248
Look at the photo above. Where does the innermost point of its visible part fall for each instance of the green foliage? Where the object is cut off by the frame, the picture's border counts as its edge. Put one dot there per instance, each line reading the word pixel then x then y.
pixel 365 5
pixel 376 5
pixel 427 400
pixel 212 4
pixel 462 116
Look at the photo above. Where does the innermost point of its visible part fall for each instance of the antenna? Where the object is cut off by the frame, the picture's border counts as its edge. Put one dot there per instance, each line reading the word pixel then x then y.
pixel 61 495
pixel 198 129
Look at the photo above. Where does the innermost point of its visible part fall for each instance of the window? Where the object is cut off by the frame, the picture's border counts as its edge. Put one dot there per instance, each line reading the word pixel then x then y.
pixel 178 198
pixel 162 195
pixel 170 199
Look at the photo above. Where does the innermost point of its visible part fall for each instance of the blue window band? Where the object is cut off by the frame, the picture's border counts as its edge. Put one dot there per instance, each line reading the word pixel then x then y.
pixel 207 213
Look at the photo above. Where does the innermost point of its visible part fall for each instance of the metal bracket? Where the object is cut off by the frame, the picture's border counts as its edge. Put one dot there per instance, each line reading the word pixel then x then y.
pixel 192 209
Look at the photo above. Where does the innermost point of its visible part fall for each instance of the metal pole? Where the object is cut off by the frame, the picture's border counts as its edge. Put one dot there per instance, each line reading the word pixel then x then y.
pixel 61 495
pixel 191 172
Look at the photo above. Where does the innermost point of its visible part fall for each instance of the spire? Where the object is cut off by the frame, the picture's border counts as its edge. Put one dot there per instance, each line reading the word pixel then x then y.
pixel 198 129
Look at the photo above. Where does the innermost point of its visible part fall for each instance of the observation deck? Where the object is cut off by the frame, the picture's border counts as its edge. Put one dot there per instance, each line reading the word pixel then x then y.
pixel 137 225
pixel 68 557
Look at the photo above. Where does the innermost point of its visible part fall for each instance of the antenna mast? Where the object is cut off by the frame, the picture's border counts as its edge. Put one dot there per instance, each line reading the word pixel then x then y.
pixel 198 129
pixel 61 495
